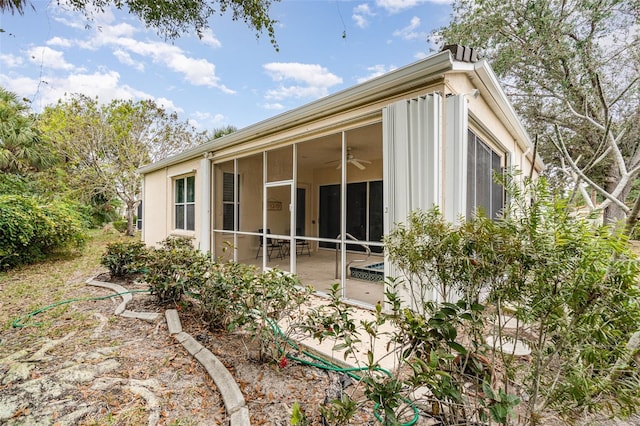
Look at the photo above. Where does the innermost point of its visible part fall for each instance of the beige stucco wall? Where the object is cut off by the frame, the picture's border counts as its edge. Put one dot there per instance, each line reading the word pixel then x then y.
pixel 484 121
pixel 157 204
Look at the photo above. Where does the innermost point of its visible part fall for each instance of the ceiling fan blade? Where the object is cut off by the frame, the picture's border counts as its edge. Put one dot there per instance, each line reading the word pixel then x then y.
pixel 357 164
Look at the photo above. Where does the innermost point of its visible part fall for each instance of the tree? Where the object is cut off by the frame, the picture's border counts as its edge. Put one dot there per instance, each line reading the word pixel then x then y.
pixel 174 18
pixel 104 145
pixel 223 131
pixel 21 148
pixel 571 70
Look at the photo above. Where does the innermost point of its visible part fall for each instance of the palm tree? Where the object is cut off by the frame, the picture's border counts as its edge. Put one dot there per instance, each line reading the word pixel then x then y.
pixel 13 6
pixel 21 149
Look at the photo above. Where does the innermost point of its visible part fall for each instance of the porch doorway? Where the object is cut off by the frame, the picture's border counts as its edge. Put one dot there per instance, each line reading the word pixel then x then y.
pixel 276 235
pixel 364 216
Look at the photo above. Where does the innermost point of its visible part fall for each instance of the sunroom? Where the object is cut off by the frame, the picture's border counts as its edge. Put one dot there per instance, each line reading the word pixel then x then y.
pixel 313 191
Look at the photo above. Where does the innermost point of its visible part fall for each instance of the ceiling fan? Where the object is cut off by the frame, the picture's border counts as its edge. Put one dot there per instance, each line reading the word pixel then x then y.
pixel 351 159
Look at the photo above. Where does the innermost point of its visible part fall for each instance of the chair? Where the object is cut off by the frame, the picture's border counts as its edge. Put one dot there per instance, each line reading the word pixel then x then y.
pixel 301 245
pixel 270 246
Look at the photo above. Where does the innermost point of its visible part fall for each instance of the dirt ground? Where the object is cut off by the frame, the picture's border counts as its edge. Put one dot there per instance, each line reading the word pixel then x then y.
pixel 79 364
pixel 90 367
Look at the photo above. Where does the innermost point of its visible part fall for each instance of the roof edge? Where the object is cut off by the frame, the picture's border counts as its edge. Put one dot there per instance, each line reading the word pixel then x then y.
pixel 351 97
pixel 499 97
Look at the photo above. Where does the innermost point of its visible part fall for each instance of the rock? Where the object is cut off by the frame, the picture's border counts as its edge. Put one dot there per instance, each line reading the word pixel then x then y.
pixel 18 372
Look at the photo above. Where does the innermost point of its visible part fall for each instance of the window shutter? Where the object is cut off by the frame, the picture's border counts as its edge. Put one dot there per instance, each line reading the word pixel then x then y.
pixel 455 153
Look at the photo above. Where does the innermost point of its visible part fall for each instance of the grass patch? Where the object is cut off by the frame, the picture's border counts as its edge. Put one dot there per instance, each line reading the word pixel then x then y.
pixel 31 287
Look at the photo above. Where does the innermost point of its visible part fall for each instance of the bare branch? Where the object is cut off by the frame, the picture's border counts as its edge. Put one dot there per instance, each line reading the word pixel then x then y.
pixel 610 197
pixel 585 117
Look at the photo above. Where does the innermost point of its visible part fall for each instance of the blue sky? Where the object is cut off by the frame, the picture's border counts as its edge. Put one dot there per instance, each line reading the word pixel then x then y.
pixel 226 78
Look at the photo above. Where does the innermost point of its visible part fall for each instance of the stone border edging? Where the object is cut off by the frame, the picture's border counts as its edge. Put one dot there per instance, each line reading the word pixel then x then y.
pixel 232 397
pixel 121 309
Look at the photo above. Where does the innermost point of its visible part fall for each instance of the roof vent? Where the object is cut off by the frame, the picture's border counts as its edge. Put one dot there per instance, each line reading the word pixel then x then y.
pixel 462 53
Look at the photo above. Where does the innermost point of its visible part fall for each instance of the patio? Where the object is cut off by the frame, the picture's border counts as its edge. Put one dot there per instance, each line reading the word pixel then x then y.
pixel 319 271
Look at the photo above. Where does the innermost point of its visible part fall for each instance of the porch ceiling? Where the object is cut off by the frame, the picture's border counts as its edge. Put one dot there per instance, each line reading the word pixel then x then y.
pixel 364 143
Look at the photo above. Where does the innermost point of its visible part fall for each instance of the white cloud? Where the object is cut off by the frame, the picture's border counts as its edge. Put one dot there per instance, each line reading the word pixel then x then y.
pixel 120 38
pixel 361 13
pixel 59 42
pixel 168 105
pixel 207 121
pixel 125 58
pixel 409 32
pixel 312 74
pixel 198 72
pixel 314 80
pixel 48 58
pixel 394 6
pixel 273 106
pixel 106 86
pixel 210 39
pixel 375 71
pixel 10 60
pixel 71 20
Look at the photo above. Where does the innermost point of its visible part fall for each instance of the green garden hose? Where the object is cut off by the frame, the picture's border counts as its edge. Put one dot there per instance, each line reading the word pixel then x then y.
pixel 317 362
pixel 18 322
pixel 324 364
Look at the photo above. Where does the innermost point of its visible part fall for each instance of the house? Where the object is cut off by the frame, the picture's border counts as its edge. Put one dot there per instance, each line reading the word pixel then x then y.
pixel 313 190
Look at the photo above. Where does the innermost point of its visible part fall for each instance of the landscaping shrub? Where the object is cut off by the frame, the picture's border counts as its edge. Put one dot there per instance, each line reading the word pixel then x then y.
pixel 30 230
pixel 222 294
pixel 235 296
pixel 120 225
pixel 573 283
pixel 175 268
pixel 124 258
pixel 68 231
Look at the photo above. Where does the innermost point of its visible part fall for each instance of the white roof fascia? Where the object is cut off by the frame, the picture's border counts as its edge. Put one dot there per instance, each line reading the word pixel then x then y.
pixel 377 88
pixel 503 107
pixel 497 99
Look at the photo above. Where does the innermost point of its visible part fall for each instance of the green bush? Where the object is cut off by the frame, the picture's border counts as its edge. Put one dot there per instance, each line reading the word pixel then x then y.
pixel 124 258
pixel 222 293
pixel 175 268
pixel 572 283
pixel 30 230
pixel 68 230
pixel 120 225
pixel 237 296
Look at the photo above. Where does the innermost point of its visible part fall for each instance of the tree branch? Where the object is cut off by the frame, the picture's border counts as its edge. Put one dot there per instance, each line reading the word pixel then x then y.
pixel 559 144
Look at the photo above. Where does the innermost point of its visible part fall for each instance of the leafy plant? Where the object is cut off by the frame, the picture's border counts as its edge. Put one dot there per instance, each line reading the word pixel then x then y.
pixel 120 225
pixel 427 350
pixel 236 296
pixel 499 404
pixel 124 257
pixel 576 284
pixel 298 417
pixel 340 411
pixel 572 283
pixel 174 268
pixel 31 229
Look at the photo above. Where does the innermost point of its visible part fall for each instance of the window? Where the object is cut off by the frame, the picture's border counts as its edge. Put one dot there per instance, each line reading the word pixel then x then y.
pixel 229 203
pixel 184 201
pixel 364 213
pixel 139 221
pixel 482 192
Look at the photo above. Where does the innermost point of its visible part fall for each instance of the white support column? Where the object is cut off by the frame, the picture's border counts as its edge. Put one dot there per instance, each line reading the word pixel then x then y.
pixel 205 204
